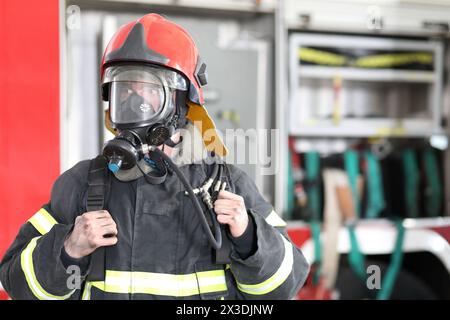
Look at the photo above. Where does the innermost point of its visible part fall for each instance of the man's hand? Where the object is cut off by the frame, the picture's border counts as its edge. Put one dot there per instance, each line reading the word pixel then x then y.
pixel 230 210
pixel 92 230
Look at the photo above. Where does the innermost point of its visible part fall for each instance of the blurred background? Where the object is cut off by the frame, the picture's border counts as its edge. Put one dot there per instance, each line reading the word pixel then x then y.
pixel 357 92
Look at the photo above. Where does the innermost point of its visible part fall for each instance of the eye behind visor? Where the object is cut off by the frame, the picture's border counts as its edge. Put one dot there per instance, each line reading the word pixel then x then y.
pixel 135 102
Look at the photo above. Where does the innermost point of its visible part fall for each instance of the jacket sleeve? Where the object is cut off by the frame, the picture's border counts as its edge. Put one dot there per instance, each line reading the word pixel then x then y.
pixel 32 267
pixel 277 269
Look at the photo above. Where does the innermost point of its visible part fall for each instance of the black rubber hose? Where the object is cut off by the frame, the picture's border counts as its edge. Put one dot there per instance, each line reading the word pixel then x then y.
pixel 216 242
pixel 219 179
pixel 215 171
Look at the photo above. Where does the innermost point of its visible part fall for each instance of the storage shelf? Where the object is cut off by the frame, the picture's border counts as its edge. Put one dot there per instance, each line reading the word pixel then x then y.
pixel 321 72
pixel 364 128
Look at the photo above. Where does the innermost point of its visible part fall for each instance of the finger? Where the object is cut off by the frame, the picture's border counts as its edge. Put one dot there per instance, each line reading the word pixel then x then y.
pixel 232 207
pixel 98 224
pixel 103 214
pixel 103 222
pixel 223 219
pixel 108 231
pixel 229 195
pixel 96 214
pixel 225 211
pixel 226 203
pixel 104 242
pixel 106 223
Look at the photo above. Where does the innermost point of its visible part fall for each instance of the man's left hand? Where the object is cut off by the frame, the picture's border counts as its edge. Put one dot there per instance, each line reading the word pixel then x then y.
pixel 230 209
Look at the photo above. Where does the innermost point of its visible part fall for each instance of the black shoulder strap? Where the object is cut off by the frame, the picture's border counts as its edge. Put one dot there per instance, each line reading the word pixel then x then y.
pixel 98 184
pixel 99 180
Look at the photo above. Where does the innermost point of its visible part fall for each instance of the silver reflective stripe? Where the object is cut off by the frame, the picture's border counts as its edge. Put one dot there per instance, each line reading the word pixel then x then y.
pixel 274 220
pixel 277 278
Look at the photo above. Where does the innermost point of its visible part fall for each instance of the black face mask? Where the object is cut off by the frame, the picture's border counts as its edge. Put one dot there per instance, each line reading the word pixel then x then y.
pixel 131 144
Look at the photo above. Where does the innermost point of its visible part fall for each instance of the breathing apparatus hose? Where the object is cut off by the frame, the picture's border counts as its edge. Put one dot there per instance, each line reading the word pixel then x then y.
pixel 216 239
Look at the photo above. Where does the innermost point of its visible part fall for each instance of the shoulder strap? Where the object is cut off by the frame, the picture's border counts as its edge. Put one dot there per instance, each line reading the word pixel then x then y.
pixel 98 184
pixel 99 180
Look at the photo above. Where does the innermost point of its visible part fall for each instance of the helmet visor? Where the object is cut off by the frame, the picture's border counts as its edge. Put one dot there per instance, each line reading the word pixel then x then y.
pixel 146 74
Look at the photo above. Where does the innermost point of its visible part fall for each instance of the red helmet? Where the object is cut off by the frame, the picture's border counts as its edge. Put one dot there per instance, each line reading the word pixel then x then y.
pixel 157 41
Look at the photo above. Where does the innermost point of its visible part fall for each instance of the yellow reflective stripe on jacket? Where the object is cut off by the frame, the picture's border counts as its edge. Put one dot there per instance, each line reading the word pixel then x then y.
pixel 162 283
pixel 321 57
pixel 26 262
pixel 275 220
pixel 42 221
pixel 86 292
pixel 277 278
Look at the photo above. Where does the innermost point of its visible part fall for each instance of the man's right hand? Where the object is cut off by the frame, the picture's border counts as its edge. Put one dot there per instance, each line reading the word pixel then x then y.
pixel 92 230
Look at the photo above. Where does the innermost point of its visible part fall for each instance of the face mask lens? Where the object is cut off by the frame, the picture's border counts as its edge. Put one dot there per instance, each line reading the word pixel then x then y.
pixel 135 102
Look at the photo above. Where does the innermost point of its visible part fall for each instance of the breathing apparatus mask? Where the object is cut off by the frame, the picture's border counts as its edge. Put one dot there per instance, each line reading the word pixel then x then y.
pixel 146 107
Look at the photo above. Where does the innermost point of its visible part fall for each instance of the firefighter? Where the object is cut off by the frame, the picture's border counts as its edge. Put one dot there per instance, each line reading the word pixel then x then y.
pixel 143 219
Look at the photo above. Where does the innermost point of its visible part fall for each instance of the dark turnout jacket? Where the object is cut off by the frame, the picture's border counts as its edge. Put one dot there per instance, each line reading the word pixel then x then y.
pixel 162 251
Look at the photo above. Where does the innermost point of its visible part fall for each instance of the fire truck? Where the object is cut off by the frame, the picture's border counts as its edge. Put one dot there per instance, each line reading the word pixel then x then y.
pixel 426 258
pixel 342 115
